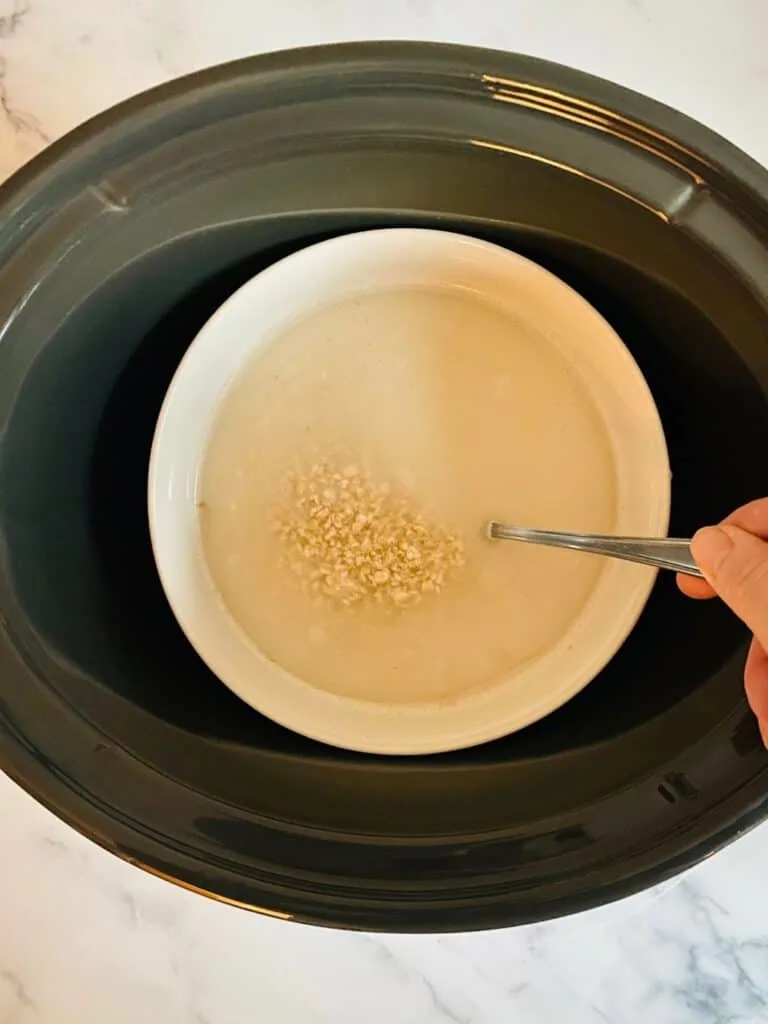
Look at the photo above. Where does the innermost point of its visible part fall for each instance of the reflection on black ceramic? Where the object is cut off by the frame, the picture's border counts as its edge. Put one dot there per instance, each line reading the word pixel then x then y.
pixel 106 714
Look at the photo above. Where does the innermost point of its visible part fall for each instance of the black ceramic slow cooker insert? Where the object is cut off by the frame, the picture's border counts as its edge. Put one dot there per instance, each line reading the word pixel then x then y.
pixel 117 244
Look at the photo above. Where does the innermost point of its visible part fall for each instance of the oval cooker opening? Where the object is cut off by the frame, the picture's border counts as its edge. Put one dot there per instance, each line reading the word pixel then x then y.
pixel 121 631
pixel 688 364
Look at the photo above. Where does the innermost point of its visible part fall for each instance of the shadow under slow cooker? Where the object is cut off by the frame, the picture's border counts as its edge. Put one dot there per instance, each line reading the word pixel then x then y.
pixel 90 588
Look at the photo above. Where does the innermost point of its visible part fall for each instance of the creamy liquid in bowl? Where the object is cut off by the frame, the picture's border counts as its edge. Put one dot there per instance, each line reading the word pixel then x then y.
pixel 443 412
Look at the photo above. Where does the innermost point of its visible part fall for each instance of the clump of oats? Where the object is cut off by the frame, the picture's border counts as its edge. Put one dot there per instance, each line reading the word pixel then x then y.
pixel 350 540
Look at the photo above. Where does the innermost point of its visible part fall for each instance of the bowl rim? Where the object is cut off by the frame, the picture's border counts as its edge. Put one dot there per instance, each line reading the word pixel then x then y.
pixel 298 286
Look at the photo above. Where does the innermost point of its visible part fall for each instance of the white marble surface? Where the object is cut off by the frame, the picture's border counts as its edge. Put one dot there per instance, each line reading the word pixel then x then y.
pixel 83 937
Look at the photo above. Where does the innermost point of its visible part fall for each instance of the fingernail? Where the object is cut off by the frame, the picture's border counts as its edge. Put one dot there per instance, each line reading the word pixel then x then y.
pixel 710 546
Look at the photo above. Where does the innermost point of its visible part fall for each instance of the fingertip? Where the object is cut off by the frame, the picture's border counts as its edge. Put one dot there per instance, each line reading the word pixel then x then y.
pixel 711 546
pixel 756 681
pixel 694 587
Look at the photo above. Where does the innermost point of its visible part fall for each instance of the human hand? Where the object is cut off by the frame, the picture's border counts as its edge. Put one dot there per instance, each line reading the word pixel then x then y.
pixel 734 558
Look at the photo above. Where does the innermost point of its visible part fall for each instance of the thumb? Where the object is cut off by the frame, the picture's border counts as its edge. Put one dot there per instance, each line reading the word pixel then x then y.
pixel 735 563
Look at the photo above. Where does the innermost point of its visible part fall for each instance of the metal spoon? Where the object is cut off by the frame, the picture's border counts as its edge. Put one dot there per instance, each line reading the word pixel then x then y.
pixel 663 552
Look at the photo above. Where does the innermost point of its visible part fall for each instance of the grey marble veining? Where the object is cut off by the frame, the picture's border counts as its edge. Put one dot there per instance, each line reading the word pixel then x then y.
pixel 84 937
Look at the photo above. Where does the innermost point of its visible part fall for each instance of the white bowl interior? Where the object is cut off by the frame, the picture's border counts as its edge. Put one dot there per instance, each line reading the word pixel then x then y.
pixel 258 313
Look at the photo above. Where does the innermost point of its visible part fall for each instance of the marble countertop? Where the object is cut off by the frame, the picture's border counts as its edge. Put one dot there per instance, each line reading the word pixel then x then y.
pixel 84 937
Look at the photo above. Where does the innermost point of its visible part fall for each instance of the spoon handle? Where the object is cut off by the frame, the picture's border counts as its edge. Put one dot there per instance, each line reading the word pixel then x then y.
pixel 662 552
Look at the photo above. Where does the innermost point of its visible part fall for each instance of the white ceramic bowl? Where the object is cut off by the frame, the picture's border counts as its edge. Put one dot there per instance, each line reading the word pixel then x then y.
pixel 258 312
